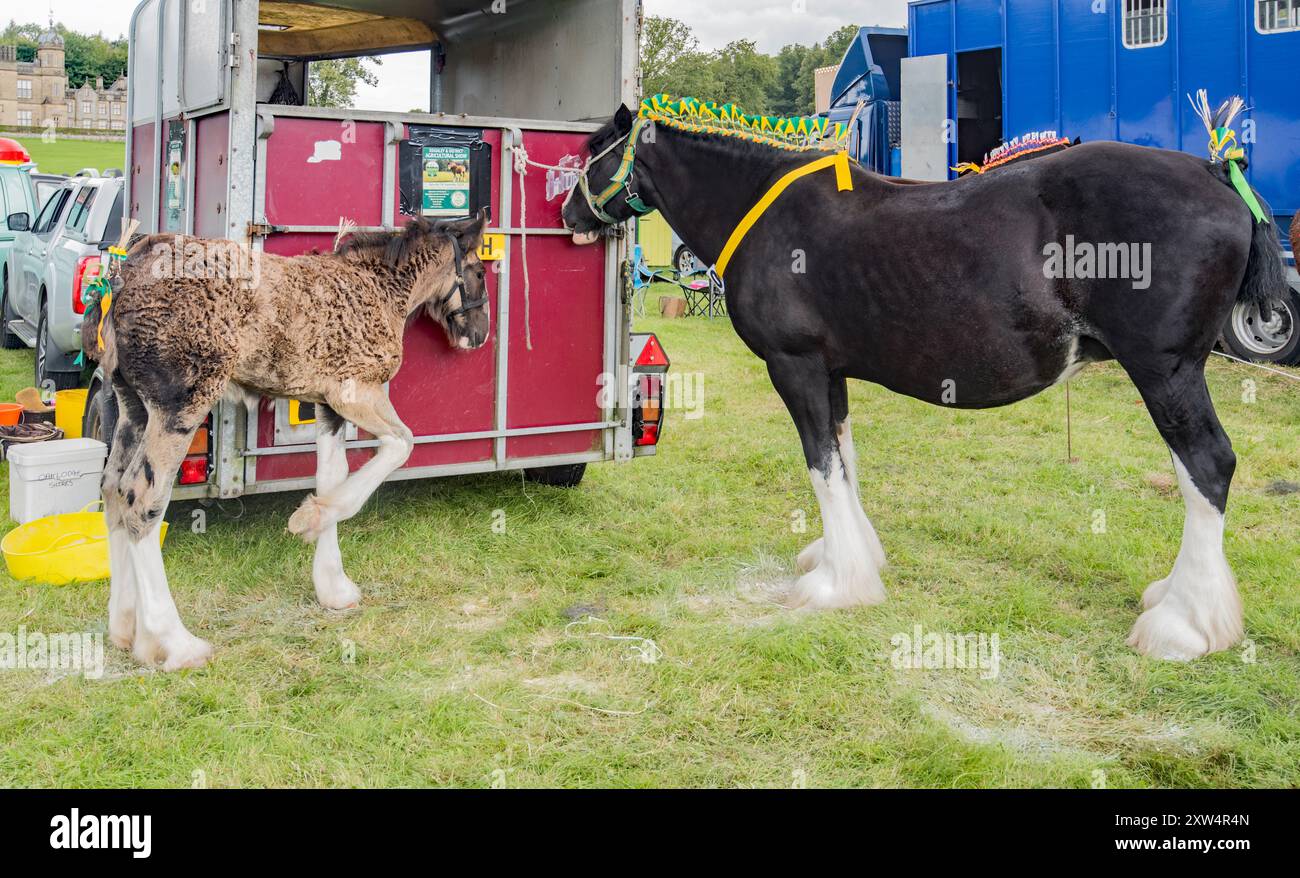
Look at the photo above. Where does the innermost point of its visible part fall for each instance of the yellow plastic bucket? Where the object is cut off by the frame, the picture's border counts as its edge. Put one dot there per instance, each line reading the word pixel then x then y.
pixel 59 549
pixel 69 409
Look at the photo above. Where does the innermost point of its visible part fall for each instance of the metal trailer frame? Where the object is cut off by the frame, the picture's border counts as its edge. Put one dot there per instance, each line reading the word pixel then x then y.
pixel 234 442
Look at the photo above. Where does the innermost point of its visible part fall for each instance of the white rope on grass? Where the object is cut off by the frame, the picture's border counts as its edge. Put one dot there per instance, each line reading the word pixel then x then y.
pixel 643 649
pixel 1287 375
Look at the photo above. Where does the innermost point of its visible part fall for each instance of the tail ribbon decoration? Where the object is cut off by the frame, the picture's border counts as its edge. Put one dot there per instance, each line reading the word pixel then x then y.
pixel 1223 145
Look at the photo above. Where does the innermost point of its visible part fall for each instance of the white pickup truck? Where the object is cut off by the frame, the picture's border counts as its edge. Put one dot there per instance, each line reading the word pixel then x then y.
pixel 49 267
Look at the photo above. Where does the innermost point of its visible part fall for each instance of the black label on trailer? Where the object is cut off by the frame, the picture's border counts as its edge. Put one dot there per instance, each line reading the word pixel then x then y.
pixel 444 173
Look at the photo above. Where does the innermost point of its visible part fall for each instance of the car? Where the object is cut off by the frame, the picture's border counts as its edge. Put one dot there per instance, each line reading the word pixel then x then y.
pixel 62 256
pixel 46 185
pixel 19 202
pixel 684 261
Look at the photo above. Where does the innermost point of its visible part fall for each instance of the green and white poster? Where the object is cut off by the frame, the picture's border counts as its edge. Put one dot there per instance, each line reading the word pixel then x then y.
pixel 445 181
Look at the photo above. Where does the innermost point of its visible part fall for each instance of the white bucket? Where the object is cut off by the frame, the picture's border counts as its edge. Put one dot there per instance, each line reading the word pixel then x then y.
pixel 53 478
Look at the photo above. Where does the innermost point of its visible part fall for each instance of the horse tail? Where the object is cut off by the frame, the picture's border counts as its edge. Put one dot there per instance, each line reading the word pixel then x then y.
pixel 1265 280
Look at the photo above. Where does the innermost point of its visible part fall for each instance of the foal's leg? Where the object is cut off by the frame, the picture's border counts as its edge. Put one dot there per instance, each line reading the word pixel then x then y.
pixel 135 512
pixel 847 572
pixel 1194 610
pixel 333 587
pixel 367 407
pixel 811 556
pixel 128 429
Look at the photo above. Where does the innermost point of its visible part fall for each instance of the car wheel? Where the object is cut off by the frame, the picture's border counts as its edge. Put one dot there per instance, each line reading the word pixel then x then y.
pixel 684 261
pixel 44 376
pixel 564 476
pixel 1270 335
pixel 8 340
pixel 95 423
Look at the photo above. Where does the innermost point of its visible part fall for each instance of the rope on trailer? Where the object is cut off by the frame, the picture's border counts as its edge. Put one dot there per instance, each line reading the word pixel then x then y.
pixel 522 164
pixel 521 168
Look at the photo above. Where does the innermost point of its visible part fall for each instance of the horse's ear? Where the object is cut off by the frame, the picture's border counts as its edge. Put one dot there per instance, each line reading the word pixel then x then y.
pixel 473 238
pixel 469 232
pixel 622 119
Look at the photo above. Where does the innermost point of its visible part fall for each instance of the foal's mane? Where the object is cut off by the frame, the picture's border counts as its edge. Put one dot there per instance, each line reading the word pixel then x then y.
pixel 394 249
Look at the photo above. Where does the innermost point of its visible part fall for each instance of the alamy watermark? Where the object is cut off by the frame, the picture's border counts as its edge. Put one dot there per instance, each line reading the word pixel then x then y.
pixel 940 650
pixel 1101 261
pixel 65 651
pixel 682 391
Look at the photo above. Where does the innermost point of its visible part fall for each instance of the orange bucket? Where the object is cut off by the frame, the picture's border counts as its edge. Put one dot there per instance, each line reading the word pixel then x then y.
pixel 10 412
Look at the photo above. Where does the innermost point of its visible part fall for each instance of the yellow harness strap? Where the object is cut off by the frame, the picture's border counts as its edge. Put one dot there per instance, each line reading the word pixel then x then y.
pixel 104 304
pixel 840 161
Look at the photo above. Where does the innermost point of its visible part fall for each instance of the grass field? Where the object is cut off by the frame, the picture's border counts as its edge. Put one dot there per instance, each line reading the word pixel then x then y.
pixel 480 658
pixel 65 156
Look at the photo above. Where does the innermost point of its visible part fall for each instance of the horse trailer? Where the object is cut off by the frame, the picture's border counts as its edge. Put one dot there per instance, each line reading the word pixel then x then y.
pixel 980 72
pixel 222 144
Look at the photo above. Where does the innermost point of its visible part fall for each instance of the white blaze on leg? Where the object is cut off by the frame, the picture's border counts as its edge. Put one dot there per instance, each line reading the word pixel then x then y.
pixel 333 587
pixel 1195 609
pixel 847 574
pixel 121 590
pixel 160 635
pixel 812 555
pixel 850 456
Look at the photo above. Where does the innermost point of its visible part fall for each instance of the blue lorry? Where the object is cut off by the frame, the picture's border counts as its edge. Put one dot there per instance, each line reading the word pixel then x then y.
pixel 981 72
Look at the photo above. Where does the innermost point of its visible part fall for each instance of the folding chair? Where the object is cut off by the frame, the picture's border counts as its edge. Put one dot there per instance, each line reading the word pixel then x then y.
pixel 703 298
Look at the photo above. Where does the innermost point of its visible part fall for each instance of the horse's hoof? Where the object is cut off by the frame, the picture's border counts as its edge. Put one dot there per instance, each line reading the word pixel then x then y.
pixel 189 652
pixel 823 589
pixel 307 519
pixel 339 595
pixel 1166 632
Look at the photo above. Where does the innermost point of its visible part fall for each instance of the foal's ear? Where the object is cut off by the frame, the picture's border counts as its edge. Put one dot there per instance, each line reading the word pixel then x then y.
pixel 622 119
pixel 469 232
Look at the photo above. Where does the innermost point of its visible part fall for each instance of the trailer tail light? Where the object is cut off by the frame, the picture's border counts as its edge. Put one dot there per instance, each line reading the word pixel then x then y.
pixel 199 444
pixel 86 273
pixel 194 470
pixel 649 365
pixel 197 465
pixel 649 435
pixel 647 409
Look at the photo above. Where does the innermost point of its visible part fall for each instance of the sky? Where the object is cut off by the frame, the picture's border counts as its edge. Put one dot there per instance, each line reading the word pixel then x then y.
pixel 403 79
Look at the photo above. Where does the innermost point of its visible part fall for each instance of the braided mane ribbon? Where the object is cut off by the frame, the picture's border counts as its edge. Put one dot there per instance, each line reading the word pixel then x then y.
pixel 1223 145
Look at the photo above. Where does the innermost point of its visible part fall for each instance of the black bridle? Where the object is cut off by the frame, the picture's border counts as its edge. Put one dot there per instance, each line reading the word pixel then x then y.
pixel 465 303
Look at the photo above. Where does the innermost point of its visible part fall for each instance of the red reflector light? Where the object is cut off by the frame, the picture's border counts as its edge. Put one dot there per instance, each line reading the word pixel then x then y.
pixel 652 354
pixel 194 470
pixel 87 271
pixel 649 435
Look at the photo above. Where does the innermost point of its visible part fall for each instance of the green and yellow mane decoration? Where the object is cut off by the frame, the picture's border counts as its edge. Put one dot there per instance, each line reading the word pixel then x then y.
pixel 1224 147
pixel 796 133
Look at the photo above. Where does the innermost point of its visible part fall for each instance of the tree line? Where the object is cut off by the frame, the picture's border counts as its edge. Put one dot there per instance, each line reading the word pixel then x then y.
pixel 780 84
pixel 86 56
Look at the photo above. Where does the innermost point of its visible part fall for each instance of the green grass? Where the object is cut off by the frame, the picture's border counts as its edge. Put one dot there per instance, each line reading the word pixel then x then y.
pixel 464 672
pixel 66 156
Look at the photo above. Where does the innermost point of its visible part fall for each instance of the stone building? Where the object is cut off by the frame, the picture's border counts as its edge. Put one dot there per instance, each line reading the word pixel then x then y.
pixel 36 92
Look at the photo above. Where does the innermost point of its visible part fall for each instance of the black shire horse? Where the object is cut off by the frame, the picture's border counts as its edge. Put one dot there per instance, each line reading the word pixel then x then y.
pixel 970 293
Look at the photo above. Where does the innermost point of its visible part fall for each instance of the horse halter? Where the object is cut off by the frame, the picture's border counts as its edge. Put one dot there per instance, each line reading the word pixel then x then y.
pixel 465 303
pixel 619 182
